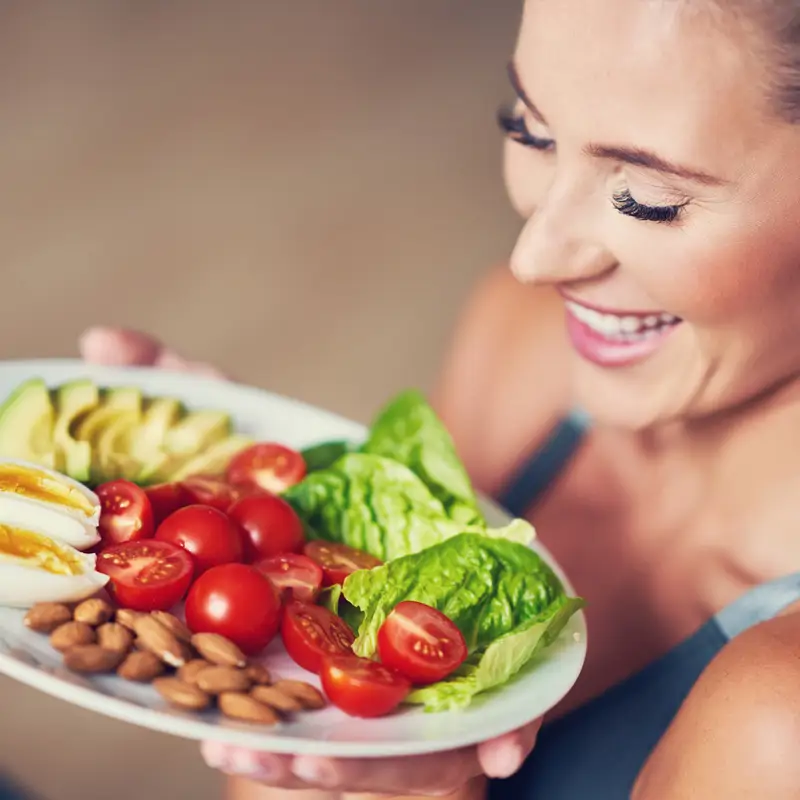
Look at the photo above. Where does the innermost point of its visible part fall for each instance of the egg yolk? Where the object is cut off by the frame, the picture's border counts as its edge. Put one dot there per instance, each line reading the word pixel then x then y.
pixel 37 485
pixel 37 552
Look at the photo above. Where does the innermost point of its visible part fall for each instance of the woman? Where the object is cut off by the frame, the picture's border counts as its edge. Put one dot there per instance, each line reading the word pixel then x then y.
pixel 654 156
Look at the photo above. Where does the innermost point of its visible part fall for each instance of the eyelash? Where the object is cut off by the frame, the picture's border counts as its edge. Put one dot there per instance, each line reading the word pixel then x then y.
pixel 515 128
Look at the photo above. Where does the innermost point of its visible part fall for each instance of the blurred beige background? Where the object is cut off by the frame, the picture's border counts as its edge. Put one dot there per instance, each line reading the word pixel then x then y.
pixel 301 191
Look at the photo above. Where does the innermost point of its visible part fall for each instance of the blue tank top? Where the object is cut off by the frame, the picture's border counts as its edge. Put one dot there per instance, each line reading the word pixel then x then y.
pixel 598 750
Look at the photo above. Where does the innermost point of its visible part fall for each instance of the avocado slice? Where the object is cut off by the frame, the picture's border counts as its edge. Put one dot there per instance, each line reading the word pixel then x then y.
pixel 213 461
pixel 191 436
pixel 73 400
pixel 115 404
pixel 145 443
pixel 26 424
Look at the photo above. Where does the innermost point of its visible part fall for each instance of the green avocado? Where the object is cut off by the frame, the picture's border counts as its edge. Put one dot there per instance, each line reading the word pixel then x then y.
pixel 26 424
pixel 73 400
pixel 145 442
pixel 212 461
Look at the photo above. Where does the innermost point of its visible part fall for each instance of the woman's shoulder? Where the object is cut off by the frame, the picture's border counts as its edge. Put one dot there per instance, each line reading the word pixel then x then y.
pixel 504 382
pixel 738 733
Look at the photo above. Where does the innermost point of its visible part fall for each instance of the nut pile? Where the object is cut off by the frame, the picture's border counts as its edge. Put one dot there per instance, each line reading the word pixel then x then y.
pixel 190 671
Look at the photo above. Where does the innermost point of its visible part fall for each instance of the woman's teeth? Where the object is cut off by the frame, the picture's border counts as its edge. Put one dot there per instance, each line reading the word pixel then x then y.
pixel 623 327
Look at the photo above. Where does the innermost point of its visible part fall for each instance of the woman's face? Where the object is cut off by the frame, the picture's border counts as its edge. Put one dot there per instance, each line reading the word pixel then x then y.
pixel 661 196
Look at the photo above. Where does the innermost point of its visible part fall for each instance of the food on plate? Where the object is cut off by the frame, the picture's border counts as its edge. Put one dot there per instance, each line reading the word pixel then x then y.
pixel 338 560
pixel 361 687
pixel 126 513
pixel 295 576
pixel 271 526
pixel 146 575
pixel 165 499
pixel 267 465
pixel 98 434
pixel 310 633
pixel 208 534
pixel 421 643
pixel 237 602
pixel 210 490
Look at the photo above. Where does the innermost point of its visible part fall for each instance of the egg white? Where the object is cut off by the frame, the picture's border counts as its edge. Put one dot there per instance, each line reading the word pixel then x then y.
pixel 22 584
pixel 52 519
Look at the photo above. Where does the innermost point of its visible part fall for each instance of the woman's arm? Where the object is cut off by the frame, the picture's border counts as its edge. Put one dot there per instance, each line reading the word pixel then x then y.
pixel 737 735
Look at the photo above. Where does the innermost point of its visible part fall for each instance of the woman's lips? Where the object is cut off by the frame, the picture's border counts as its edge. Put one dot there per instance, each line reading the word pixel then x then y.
pixel 616 339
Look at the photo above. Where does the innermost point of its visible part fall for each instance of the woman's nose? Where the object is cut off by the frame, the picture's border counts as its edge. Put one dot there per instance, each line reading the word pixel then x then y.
pixel 559 242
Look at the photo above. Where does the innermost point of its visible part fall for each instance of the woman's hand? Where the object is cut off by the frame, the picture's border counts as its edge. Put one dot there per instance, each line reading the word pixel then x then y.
pixel 432 775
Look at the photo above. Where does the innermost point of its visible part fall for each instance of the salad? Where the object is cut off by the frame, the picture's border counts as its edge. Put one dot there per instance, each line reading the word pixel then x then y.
pixel 371 561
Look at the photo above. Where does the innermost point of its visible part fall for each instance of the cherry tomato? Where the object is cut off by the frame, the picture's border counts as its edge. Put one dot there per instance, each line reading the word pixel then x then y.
pixel 270 466
pixel 270 524
pixel 209 535
pixel 338 560
pixel 421 643
pixel 125 513
pixel 362 688
pixel 310 633
pixel 237 602
pixel 207 490
pixel 166 499
pixel 146 575
pixel 294 576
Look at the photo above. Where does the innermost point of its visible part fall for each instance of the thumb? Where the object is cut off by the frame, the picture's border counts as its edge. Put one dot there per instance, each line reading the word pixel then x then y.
pixel 503 756
pixel 119 347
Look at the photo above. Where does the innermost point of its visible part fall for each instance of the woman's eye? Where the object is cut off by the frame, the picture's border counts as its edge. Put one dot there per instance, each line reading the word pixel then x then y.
pixel 624 202
pixel 514 126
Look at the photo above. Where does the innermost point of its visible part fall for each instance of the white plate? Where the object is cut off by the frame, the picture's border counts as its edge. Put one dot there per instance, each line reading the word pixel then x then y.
pixel 27 656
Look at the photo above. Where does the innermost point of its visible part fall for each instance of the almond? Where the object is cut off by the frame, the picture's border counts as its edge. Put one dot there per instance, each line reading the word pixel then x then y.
pixel 180 694
pixel 114 636
pixel 127 618
pixel 307 695
pixel 141 666
pixel 216 680
pixel 218 650
pixel 191 669
pixel 246 708
pixel 173 625
pixel 274 698
pixel 72 634
pixel 94 612
pixel 91 658
pixel 258 674
pixel 46 617
pixel 153 636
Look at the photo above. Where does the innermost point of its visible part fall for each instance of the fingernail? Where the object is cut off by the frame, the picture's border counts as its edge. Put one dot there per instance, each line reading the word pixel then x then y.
pixel 253 765
pixel 214 754
pixel 316 771
pixel 505 762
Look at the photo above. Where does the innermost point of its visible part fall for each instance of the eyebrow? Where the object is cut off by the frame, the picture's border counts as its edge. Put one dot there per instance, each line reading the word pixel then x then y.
pixel 636 156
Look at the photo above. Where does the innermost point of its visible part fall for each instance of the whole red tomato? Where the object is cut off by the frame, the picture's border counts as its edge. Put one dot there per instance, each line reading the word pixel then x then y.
pixel 235 601
pixel 270 525
pixel 208 534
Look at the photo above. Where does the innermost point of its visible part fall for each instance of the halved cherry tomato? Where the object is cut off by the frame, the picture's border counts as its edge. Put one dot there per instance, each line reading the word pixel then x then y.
pixel 362 688
pixel 166 499
pixel 207 490
pixel 270 525
pixel 338 560
pixel 268 465
pixel 310 633
pixel 294 576
pixel 209 535
pixel 235 601
pixel 146 575
pixel 421 643
pixel 125 513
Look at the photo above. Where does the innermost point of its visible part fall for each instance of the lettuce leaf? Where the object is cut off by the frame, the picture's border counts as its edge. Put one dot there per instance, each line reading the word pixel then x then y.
pixel 379 505
pixel 498 663
pixel 324 455
pixel 409 431
pixel 487 587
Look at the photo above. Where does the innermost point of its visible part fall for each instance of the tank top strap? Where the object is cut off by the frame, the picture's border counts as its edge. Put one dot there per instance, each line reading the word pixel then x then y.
pixel 539 470
pixel 761 603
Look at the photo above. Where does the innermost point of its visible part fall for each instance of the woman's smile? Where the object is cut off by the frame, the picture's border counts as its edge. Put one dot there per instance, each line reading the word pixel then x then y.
pixel 616 338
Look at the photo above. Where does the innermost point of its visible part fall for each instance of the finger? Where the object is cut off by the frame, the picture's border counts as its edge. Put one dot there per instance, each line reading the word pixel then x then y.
pixel 268 768
pixel 436 774
pixel 503 756
pixel 169 359
pixel 119 347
